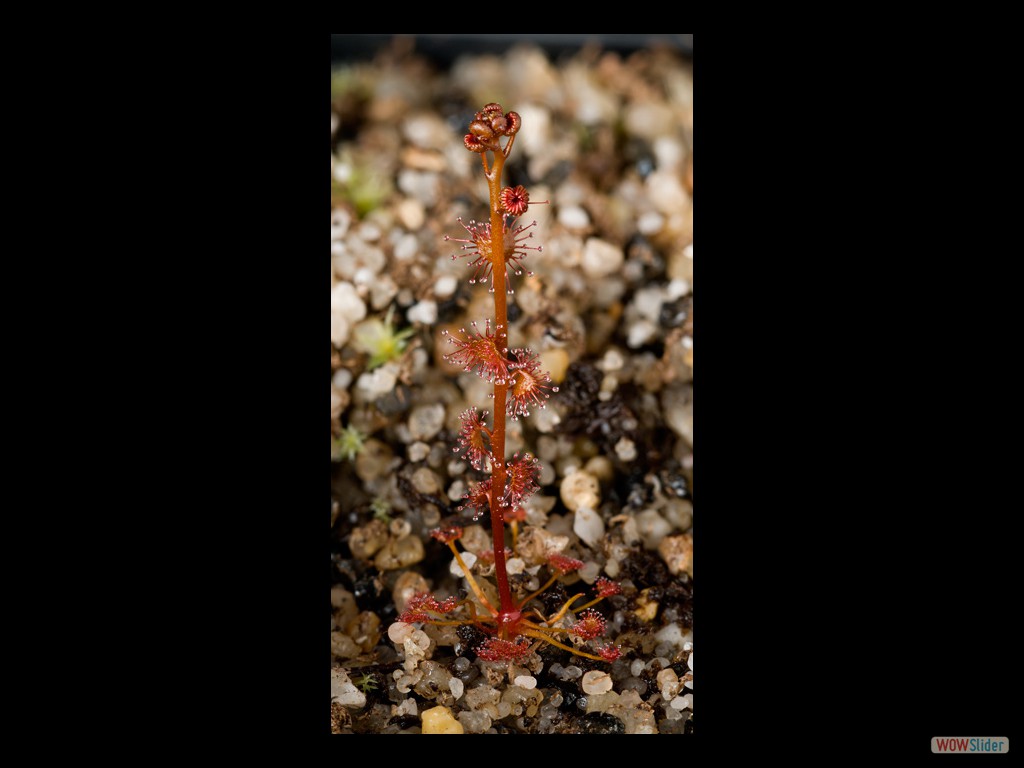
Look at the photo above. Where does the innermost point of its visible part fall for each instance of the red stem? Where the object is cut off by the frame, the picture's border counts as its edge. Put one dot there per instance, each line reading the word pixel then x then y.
pixel 508 606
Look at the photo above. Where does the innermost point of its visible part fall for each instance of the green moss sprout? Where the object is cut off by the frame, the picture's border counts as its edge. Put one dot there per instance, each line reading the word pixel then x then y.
pixel 347 445
pixel 381 340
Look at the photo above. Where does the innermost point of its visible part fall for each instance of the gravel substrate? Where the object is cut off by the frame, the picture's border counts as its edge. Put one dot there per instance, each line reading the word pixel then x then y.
pixel 608 140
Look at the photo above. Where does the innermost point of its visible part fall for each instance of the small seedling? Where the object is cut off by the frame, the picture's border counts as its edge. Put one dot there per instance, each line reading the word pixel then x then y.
pixel 347 445
pixel 381 340
pixel 359 183
pixel 366 683
pixel 381 510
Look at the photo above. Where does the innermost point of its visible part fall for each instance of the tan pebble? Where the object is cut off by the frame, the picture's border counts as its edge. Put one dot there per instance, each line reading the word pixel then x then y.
pixel 476 539
pixel 625 449
pixel 596 681
pixel 420 639
pixel 646 608
pixel 439 720
pixel 344 692
pixel 407 586
pixel 679 512
pixel 601 258
pixel 600 467
pixel 526 681
pixel 343 601
pixel 418 451
pixel 399 527
pixel 425 421
pixel 556 363
pixel 343 646
pixel 366 540
pixel 535 544
pixel 588 525
pixel 411 213
pixel 580 489
pixel 399 553
pixel 405 682
pixel 364 630
pixel 423 159
pixel 374 459
pixel 666 192
pixel 399 631
pixel 682 702
pixel 603 702
pixel 677 552
pixel 652 527
pixel 631 699
pixel 668 683
pixel 640 721
pixel 426 482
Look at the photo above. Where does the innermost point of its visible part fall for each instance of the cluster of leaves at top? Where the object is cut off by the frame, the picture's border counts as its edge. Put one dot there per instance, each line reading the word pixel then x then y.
pixel 515 626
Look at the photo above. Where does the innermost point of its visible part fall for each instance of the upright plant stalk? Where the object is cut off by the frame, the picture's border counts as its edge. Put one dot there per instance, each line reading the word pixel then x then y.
pixel 518 382
pixel 513 630
pixel 500 390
